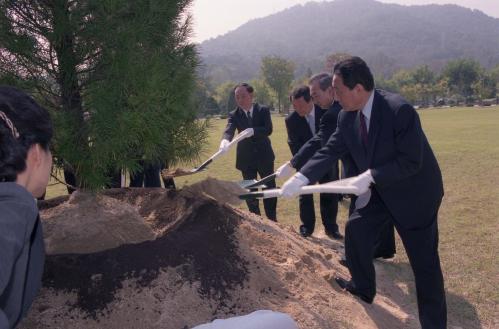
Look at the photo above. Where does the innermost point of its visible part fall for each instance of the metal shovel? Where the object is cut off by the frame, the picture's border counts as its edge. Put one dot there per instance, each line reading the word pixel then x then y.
pixel 179 172
pixel 260 183
pixel 342 186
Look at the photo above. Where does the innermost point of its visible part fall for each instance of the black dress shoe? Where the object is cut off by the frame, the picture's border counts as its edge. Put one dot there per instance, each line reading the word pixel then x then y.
pixel 387 256
pixel 305 232
pixel 350 287
pixel 336 235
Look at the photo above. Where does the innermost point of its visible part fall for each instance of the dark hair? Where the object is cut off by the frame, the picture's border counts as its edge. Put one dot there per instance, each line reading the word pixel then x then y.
pixel 248 87
pixel 355 71
pixel 33 125
pixel 299 92
pixel 325 80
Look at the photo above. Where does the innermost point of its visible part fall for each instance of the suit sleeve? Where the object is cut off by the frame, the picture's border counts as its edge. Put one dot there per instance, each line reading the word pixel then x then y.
pixel 326 129
pixel 324 159
pixel 293 142
pixel 266 129
pixel 409 145
pixel 13 234
pixel 4 322
pixel 230 129
pixel 308 149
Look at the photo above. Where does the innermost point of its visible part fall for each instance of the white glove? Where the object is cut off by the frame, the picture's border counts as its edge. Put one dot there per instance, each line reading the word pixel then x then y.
pixel 224 145
pixel 285 170
pixel 363 199
pixel 363 182
pixel 292 186
pixel 248 132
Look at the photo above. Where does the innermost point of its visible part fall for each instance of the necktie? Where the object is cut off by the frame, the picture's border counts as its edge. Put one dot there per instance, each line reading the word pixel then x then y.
pixel 311 123
pixel 250 122
pixel 363 128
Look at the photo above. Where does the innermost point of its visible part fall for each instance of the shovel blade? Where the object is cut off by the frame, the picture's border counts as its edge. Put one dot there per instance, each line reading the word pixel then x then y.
pixel 250 183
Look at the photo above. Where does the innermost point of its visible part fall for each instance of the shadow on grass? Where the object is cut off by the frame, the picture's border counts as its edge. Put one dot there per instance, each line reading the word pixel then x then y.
pixel 461 314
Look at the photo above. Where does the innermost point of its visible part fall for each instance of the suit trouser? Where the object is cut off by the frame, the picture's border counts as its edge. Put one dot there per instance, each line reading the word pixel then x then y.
pixel 270 204
pixel 328 206
pixel 169 183
pixel 421 244
pixel 70 179
pixel 114 181
pixel 148 176
pixel 385 244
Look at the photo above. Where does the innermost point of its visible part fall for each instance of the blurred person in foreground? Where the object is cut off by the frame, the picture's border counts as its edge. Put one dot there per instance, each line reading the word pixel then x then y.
pixel 25 166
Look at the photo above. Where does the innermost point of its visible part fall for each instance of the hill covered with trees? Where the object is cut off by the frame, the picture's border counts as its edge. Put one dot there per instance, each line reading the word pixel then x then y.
pixel 390 37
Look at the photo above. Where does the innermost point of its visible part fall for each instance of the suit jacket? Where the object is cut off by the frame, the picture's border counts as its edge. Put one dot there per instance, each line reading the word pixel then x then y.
pixel 327 126
pixel 298 129
pixel 404 168
pixel 256 149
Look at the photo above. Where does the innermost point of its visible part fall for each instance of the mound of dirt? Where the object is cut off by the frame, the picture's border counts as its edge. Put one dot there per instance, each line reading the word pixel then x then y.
pixel 101 223
pixel 207 260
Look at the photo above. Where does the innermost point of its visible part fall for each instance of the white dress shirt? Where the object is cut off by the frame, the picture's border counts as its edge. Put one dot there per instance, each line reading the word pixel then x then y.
pixel 367 110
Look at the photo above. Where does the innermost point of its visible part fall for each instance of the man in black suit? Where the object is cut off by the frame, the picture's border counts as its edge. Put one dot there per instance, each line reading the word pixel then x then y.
pixel 323 96
pixel 323 99
pixel 254 154
pixel 301 126
pixel 384 137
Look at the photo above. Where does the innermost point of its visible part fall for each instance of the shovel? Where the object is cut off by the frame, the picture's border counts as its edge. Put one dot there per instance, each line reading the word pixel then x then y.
pixel 258 183
pixel 181 172
pixel 342 186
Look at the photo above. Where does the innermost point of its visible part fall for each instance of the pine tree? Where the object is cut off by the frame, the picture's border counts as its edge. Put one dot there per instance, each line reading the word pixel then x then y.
pixel 117 75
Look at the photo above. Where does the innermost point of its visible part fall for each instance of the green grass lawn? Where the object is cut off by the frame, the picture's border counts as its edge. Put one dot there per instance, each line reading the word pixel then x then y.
pixel 466 143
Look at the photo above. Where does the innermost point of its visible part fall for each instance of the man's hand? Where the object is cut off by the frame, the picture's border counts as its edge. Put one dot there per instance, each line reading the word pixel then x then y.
pixel 363 182
pixel 285 170
pixel 248 132
pixel 224 145
pixel 292 186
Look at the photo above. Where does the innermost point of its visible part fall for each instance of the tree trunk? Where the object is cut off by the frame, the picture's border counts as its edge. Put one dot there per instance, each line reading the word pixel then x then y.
pixel 70 93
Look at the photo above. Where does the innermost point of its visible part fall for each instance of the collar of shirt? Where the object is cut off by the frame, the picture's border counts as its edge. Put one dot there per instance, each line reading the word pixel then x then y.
pixel 250 111
pixel 367 109
pixel 311 114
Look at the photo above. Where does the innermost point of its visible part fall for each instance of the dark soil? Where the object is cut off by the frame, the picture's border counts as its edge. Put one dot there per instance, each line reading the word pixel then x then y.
pixel 212 260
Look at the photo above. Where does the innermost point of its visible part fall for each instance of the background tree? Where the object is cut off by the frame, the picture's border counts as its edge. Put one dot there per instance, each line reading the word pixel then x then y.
pixel 204 100
pixel 334 58
pixel 278 74
pixel 425 79
pixel 485 86
pixel 441 88
pixel 494 73
pixel 461 75
pixel 127 64
pixel 223 94
pixel 386 84
pixel 263 93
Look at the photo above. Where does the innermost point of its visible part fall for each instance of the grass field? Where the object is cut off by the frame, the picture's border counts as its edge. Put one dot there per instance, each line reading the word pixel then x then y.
pixel 466 143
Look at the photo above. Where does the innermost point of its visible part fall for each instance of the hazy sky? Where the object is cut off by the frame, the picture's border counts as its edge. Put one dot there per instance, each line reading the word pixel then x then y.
pixel 215 17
